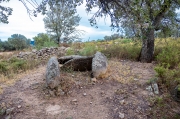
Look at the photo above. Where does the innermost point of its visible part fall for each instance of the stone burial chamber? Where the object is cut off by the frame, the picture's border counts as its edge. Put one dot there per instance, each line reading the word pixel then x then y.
pixel 97 64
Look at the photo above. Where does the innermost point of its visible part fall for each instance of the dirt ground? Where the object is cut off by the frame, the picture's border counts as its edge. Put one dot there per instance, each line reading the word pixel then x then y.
pixel 121 94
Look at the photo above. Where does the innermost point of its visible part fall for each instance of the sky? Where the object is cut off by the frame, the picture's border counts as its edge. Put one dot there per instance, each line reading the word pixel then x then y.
pixel 20 23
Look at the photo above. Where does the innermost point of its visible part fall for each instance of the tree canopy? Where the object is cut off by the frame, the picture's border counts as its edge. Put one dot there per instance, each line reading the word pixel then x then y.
pixel 61 23
pixel 19 41
pixel 147 16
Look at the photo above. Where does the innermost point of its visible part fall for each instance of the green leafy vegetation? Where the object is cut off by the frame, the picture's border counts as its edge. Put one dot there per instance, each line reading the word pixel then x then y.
pixel 61 23
pixel 125 49
pixel 15 42
pixel 15 65
pixel 43 40
pixel 89 49
pixel 168 67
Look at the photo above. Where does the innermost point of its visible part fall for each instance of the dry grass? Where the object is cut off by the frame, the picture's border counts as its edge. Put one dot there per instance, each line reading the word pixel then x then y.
pixel 9 81
pixel 12 68
pixel 7 55
pixel 119 72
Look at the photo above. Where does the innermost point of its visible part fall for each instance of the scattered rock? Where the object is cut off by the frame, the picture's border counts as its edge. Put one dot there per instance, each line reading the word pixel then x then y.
pixel 121 115
pixel 99 65
pixel 19 106
pixel 59 92
pixel 52 73
pixel 103 94
pixel 90 102
pixel 84 94
pixel 52 93
pixel 74 100
pixel 34 86
pixel 155 88
pixel 93 79
pixel 9 111
pixel 122 102
pixel 8 117
pixel 54 109
pixel 136 79
pixel 149 88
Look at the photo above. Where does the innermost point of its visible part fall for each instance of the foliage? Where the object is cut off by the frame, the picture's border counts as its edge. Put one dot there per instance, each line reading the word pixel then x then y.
pixel 15 65
pixel 147 16
pixel 3 67
pixel 124 50
pixel 19 41
pixel 168 68
pixel 43 40
pixel 6 46
pixel 70 51
pixel 144 16
pixel 61 23
pixel 112 37
pixel 4 12
pixel 88 50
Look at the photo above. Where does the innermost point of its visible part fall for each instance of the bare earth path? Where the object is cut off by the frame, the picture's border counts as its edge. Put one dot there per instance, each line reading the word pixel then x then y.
pixel 122 94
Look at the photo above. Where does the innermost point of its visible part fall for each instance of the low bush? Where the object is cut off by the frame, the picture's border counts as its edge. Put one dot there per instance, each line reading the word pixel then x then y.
pixel 70 51
pixel 168 68
pixel 123 51
pixel 88 50
pixel 15 65
pixel 3 67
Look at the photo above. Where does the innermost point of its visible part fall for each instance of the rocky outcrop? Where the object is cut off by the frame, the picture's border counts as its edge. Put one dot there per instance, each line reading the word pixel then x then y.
pixel 99 65
pixel 78 63
pixel 52 73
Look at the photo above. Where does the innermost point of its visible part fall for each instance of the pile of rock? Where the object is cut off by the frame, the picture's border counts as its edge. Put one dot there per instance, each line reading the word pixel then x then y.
pixel 43 54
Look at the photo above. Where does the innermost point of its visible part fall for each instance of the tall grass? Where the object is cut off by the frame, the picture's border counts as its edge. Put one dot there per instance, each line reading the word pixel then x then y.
pixel 123 49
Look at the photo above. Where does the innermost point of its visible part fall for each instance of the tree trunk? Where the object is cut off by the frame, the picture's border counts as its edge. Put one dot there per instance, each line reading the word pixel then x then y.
pixel 147 50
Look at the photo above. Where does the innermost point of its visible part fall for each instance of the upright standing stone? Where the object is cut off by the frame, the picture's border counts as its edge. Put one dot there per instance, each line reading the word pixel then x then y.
pixel 99 65
pixel 52 73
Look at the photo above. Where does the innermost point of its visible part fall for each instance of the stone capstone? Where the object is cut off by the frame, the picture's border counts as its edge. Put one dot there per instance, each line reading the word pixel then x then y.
pixel 65 59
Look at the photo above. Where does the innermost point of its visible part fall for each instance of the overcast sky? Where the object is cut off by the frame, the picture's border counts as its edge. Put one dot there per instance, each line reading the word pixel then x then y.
pixel 20 23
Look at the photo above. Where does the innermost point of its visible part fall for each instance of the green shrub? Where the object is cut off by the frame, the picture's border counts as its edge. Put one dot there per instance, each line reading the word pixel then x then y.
pixel 124 41
pixel 129 51
pixel 14 65
pixel 3 67
pixel 88 50
pixel 168 68
pixel 50 44
pixel 169 55
pixel 70 51
pixel 43 40
pixel 20 64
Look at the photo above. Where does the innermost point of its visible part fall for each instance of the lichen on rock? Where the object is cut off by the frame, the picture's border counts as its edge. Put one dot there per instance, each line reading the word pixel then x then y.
pixel 99 64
